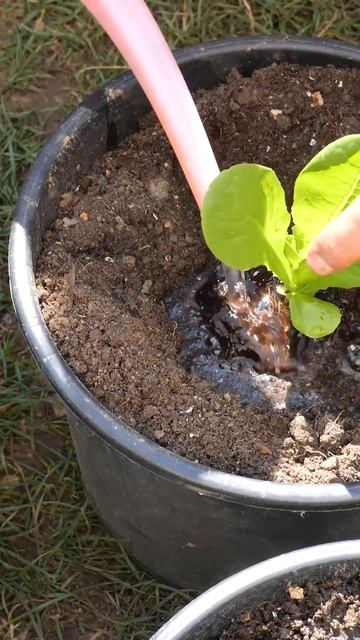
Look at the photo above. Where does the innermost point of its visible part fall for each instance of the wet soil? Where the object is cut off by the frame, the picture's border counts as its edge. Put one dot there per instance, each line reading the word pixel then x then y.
pixel 316 611
pixel 116 279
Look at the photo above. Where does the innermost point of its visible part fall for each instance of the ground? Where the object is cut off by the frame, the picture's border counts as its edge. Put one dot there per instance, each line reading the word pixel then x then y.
pixel 62 576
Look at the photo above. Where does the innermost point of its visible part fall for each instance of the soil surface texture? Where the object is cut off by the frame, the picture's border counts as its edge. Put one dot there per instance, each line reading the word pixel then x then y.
pixel 116 273
pixel 314 612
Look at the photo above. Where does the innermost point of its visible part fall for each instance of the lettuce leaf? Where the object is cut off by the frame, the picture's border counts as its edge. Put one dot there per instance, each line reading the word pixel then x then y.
pixel 246 224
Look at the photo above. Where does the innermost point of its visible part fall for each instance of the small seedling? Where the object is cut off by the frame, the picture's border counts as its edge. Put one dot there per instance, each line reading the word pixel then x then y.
pixel 246 224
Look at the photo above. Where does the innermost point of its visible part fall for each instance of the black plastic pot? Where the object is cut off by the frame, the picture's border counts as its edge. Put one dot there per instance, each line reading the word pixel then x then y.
pixel 209 614
pixel 185 522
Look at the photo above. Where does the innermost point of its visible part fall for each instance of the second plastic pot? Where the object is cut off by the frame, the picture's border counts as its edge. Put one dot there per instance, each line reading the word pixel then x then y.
pixel 185 522
pixel 209 614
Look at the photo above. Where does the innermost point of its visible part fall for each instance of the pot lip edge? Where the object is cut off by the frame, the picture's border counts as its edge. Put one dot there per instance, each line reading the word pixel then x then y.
pixel 234 587
pixel 98 418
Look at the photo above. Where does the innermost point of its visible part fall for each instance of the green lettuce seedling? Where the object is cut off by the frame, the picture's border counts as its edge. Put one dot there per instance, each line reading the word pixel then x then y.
pixel 246 224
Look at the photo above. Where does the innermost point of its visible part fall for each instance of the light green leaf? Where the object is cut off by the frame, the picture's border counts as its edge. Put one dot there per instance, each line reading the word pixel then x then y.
pixel 324 188
pixel 307 281
pixel 292 253
pixel 313 317
pixel 245 220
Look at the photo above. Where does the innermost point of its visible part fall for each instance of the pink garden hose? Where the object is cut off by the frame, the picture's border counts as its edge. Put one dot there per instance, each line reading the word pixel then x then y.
pixel 134 31
pixel 132 28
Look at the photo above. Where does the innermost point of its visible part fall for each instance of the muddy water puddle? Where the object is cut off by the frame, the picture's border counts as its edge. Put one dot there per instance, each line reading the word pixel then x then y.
pixel 279 368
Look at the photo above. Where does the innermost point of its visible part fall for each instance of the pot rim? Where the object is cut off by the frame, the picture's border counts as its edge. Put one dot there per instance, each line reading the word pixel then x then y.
pixel 76 397
pixel 213 601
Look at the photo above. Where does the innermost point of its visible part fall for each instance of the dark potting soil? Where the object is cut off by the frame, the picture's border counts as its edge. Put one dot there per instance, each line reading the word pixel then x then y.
pixel 316 611
pixel 118 268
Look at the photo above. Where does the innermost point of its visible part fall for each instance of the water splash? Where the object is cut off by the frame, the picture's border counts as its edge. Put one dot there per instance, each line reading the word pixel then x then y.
pixel 262 316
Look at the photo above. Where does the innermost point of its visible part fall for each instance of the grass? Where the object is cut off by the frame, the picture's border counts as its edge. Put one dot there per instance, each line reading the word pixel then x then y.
pixel 62 576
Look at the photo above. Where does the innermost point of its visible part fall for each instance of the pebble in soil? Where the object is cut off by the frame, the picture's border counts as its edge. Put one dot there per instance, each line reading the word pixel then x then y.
pixel 251 350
